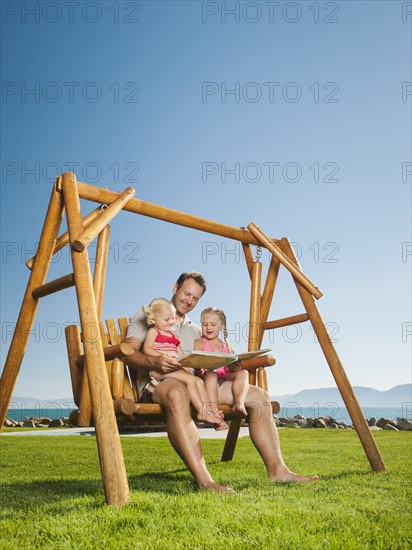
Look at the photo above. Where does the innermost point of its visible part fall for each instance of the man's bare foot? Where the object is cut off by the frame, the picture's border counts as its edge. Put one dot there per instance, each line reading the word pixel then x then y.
pixel 213 486
pixel 239 408
pixel 287 476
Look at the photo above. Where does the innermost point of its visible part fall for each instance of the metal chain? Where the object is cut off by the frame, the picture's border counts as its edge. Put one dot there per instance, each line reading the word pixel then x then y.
pixel 258 253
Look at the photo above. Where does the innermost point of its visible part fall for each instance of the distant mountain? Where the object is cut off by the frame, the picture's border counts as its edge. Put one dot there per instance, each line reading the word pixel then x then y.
pixel 367 397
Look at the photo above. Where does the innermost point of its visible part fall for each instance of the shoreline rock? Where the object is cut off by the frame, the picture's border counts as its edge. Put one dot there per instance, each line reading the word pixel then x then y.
pixel 36 422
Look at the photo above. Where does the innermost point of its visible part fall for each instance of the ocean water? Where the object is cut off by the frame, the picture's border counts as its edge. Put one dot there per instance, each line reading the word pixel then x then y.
pixel 54 410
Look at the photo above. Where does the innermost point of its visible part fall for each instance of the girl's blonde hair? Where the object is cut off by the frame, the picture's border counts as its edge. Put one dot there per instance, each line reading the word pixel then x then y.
pixel 156 306
pixel 222 317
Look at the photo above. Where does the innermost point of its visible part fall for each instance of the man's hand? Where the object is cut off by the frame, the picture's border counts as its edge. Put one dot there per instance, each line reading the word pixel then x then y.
pixel 165 363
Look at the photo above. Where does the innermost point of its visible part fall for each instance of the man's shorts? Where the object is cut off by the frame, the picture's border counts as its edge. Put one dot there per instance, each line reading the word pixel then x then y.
pixel 147 394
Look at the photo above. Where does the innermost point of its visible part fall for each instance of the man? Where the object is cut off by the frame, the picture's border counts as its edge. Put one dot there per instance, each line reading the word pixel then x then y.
pixel 174 398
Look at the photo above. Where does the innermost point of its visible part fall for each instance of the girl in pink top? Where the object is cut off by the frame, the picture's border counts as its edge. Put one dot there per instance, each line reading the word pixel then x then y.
pixel 213 321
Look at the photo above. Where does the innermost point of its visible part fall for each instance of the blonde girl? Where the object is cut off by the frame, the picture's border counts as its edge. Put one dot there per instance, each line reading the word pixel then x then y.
pixel 213 321
pixel 160 316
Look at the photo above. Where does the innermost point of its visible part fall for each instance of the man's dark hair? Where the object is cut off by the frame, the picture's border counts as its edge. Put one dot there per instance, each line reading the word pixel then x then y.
pixel 195 275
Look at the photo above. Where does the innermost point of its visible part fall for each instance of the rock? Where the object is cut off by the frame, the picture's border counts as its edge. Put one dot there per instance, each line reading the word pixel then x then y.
pixel 9 423
pixel 56 423
pixel 375 428
pixel 300 421
pixel 381 423
pixel 29 424
pixel 333 425
pixel 404 424
pixel 372 421
pixel 390 427
pixel 45 420
pixel 319 423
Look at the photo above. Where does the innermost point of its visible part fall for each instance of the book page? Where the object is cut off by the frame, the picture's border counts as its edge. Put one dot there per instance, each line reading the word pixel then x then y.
pixel 253 353
pixel 206 360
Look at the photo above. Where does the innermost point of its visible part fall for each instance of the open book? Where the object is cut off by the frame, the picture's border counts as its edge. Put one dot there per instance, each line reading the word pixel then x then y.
pixel 211 360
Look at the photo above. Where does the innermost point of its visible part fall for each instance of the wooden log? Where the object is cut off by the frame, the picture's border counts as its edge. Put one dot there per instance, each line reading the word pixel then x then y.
pixel 128 407
pixel 99 275
pixel 64 238
pixel 106 343
pixel 112 332
pixel 110 352
pixel 286 321
pixel 74 350
pixel 254 314
pixel 262 379
pixel 254 330
pixel 107 434
pixel 261 361
pixel 91 232
pixel 130 388
pixel 338 372
pixel 268 292
pixel 248 257
pixel 85 407
pixel 284 260
pixel 29 305
pixel 56 285
pixel 97 194
pixel 117 378
pixel 117 371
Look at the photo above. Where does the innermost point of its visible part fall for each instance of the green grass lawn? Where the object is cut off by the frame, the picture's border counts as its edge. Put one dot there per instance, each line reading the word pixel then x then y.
pixel 52 496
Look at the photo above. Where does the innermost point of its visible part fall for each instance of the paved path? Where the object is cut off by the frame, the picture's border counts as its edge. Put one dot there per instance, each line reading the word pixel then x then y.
pixel 205 433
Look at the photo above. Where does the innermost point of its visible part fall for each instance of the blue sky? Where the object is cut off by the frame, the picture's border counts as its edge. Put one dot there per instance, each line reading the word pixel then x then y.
pixel 293 115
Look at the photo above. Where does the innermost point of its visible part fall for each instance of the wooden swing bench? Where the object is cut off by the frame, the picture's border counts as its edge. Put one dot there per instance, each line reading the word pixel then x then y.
pixel 128 410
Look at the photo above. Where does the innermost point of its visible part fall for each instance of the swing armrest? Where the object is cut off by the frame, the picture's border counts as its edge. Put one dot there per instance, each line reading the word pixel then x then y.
pixel 257 362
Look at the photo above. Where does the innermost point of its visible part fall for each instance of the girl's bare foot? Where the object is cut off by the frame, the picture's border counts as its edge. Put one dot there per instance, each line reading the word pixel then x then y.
pixel 222 426
pixel 239 408
pixel 210 417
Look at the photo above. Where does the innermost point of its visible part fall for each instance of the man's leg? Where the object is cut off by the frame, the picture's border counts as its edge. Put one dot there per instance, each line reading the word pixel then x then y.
pixel 263 432
pixel 183 435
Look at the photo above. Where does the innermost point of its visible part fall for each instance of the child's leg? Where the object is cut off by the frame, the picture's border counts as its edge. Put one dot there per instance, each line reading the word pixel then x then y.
pixel 197 393
pixel 240 388
pixel 210 379
pixel 207 410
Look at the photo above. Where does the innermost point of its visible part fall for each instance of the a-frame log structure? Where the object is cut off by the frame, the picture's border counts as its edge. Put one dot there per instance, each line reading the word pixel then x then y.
pixel 66 195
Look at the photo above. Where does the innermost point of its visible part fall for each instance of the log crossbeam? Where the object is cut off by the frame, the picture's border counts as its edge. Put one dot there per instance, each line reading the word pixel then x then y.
pixel 99 223
pixel 64 237
pixel 56 285
pixel 286 321
pixel 111 352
